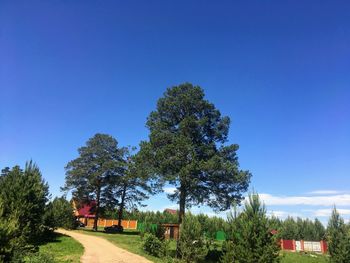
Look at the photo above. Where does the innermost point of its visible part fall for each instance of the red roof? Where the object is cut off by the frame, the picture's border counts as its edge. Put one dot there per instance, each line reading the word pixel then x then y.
pixel 171 211
pixel 87 209
pixel 274 232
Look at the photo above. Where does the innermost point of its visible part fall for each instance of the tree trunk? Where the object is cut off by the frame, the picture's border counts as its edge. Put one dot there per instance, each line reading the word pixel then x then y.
pixel 182 203
pixel 121 206
pixel 97 213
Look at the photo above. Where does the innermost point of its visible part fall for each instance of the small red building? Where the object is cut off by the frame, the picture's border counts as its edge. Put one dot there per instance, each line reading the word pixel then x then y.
pixel 84 211
pixel 171 211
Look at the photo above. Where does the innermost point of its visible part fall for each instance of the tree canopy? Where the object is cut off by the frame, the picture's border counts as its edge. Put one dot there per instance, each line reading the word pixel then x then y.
pixel 187 148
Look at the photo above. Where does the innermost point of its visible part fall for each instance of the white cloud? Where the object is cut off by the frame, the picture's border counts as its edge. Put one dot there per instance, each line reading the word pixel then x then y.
pixel 325 192
pixel 327 212
pixel 169 190
pixel 325 200
pixel 282 214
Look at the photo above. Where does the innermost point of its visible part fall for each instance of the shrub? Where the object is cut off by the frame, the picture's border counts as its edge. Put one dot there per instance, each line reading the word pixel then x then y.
pixel 250 235
pixel 160 232
pixel 192 246
pixel 146 227
pixel 59 213
pixel 153 246
pixel 40 257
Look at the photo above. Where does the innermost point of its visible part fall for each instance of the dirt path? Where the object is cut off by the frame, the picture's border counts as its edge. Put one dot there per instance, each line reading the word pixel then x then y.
pixel 99 250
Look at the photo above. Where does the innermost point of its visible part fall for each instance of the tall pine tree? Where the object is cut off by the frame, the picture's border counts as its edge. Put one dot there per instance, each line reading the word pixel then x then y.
pixel 187 149
pixel 100 164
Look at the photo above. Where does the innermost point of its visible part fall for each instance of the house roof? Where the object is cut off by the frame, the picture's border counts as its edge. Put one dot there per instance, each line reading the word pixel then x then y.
pixel 87 209
pixel 171 211
pixel 274 232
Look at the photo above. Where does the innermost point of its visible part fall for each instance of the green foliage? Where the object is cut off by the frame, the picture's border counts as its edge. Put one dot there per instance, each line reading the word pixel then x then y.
pixel 228 250
pixel 153 246
pixel 338 239
pixel 40 258
pixel 131 188
pixel 275 223
pixel 10 241
pixel 154 217
pixel 59 213
pixel 192 244
pixel 251 240
pixel 211 225
pixel 186 148
pixel 301 229
pixel 23 195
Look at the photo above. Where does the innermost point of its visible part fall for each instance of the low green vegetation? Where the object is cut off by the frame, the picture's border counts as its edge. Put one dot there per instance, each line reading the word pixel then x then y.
pixel 250 239
pixel 192 244
pixel 57 248
pixel 132 242
pixel 291 257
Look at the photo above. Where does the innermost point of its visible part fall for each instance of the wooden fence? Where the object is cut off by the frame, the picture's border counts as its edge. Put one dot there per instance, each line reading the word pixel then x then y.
pixel 103 222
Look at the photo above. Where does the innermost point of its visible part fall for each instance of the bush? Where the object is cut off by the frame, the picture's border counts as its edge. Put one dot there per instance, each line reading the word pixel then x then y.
pixel 59 213
pixel 40 257
pixel 153 246
pixel 160 232
pixel 251 240
pixel 192 246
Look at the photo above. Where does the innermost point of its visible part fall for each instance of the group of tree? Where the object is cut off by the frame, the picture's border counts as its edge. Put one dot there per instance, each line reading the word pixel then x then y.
pixel 187 148
pixel 26 213
pixel 298 229
pixel 108 174
pixel 249 237
pixel 143 216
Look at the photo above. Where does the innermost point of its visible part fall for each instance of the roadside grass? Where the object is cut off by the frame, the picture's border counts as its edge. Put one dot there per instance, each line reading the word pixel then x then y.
pixel 62 248
pixel 131 241
pixel 295 257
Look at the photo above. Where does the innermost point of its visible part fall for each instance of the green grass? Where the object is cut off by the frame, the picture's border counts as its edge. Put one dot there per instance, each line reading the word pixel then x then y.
pixel 295 257
pixel 63 248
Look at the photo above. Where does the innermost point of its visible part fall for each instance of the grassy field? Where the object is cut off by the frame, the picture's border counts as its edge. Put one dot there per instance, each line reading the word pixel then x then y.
pixel 131 241
pixel 290 257
pixel 62 248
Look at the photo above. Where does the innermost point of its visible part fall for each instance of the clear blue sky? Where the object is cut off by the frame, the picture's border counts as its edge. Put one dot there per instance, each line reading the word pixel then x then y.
pixel 279 69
